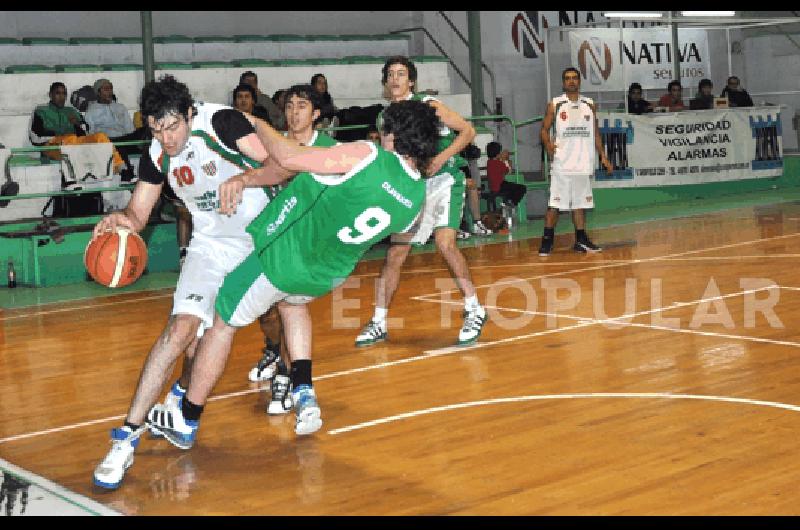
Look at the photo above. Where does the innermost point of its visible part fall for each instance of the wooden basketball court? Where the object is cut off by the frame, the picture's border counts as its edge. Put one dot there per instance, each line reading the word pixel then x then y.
pixel 677 397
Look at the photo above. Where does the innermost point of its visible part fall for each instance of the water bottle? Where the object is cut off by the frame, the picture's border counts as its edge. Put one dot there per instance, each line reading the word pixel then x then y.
pixel 12 275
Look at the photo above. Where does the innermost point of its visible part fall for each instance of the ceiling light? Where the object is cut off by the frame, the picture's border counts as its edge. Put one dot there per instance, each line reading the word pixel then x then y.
pixel 632 14
pixel 708 13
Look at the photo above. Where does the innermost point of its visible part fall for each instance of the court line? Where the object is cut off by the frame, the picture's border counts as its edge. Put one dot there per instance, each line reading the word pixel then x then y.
pixel 75 308
pixel 609 265
pixel 85 503
pixel 597 395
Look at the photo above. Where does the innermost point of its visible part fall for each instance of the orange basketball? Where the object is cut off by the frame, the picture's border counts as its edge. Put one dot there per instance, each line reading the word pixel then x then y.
pixel 116 259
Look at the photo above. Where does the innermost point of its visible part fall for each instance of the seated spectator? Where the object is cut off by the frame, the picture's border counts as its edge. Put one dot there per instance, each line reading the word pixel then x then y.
pixel 320 84
pixel 244 99
pixel 704 99
pixel 105 115
pixel 57 124
pixel 737 96
pixel 275 112
pixel 374 136
pixel 673 99
pixel 636 104
pixel 279 99
pixel 497 167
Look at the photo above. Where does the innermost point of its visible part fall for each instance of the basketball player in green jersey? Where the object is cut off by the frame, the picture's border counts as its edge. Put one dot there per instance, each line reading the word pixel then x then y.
pixel 443 209
pixel 302 109
pixel 307 241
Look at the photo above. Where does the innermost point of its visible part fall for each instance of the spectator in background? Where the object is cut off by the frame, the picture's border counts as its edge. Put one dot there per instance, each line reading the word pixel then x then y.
pixel 704 99
pixel 737 96
pixel 244 99
pixel 636 104
pixel 320 84
pixel 673 99
pixel 497 167
pixel 57 124
pixel 374 136
pixel 107 116
pixel 279 99
pixel 275 112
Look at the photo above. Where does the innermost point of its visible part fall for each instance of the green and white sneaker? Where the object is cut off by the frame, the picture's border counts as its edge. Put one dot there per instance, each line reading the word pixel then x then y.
pixel 473 325
pixel 372 333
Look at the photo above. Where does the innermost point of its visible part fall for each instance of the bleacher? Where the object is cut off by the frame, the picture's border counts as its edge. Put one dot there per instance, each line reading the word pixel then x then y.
pixel 210 66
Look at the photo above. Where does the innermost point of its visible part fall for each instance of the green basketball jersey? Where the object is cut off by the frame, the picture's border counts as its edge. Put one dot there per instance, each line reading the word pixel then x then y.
pixel 310 238
pixel 446 138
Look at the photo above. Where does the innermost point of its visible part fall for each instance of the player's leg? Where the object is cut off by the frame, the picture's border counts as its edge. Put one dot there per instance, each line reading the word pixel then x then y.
pixel 581 199
pixel 297 326
pixel 267 366
pixel 244 296
pixel 473 201
pixel 451 207
pixel 376 329
pixel 176 337
pixel 559 187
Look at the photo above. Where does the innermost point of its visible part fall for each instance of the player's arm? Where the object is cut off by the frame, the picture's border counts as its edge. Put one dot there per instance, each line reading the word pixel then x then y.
pixel 598 143
pixel 544 134
pixel 454 121
pixel 135 215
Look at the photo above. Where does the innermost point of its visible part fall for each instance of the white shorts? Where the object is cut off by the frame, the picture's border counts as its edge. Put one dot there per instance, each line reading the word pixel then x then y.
pixel 207 262
pixel 444 205
pixel 247 294
pixel 570 192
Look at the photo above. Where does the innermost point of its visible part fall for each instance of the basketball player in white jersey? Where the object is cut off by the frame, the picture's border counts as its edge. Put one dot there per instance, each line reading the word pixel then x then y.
pixel 196 147
pixel 572 150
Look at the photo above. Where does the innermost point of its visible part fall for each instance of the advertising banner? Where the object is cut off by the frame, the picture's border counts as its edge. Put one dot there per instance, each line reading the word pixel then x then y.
pixel 691 147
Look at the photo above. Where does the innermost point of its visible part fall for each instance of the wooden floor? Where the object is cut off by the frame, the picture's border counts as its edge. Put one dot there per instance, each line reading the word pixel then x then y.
pixel 688 405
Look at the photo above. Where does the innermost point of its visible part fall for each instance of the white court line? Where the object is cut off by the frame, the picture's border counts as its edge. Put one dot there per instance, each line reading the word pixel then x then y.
pixel 609 265
pixel 75 308
pixel 88 505
pixel 597 395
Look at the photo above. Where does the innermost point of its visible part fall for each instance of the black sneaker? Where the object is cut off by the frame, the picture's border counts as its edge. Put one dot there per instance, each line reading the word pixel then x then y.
pixel 586 246
pixel 267 366
pixel 547 246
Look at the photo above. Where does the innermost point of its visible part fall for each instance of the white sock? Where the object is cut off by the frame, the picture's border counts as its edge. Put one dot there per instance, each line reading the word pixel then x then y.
pixel 471 302
pixel 380 315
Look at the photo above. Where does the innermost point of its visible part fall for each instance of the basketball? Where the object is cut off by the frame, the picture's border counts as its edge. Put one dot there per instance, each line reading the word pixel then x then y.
pixel 116 259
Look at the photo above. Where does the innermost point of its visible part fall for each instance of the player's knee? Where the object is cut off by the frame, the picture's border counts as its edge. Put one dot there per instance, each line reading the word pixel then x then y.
pixel 182 330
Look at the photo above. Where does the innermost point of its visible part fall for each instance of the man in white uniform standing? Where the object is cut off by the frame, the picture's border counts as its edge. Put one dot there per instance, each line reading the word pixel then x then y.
pixel 572 148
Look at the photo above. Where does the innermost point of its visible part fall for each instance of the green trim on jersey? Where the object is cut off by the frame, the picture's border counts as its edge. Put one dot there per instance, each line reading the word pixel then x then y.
pixel 236 284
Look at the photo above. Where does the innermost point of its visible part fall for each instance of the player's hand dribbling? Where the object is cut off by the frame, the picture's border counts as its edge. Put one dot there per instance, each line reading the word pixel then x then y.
pixel 230 194
pixel 110 223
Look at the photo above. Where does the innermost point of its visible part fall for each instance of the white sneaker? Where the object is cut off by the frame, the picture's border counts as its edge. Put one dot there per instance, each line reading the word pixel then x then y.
pixel 173 400
pixel 307 411
pixel 178 431
pixel 473 324
pixel 109 473
pixel 281 401
pixel 478 228
pixel 374 331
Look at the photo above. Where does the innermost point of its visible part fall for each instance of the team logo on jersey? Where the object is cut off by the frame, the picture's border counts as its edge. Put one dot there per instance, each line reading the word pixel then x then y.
pixel 210 168
pixel 586 117
pixel 564 115
pixel 190 155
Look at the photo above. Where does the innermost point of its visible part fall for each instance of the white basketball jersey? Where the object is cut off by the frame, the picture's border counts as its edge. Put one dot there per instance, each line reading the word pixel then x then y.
pixel 196 173
pixel 573 122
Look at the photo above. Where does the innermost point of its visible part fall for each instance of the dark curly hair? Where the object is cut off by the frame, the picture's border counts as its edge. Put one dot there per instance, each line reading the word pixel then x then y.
pixel 399 59
pixel 416 130
pixel 243 87
pixel 165 96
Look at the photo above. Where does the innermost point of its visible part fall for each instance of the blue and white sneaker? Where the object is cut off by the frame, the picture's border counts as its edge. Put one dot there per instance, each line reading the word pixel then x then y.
pixel 178 431
pixel 307 412
pixel 173 400
pixel 110 472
